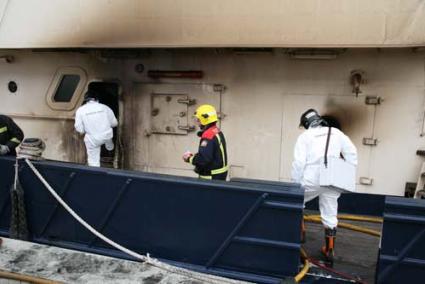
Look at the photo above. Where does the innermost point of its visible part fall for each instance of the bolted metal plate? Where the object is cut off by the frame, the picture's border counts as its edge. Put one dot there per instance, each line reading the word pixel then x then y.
pixel 169 114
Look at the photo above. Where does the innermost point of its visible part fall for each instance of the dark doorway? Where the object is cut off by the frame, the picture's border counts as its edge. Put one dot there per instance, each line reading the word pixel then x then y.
pixel 108 94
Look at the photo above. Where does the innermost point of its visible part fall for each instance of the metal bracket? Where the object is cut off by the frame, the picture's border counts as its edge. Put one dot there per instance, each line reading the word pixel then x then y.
pixel 188 128
pixel 188 101
pixel 373 100
pixel 370 141
pixel 356 80
pixel 219 88
pixel 366 180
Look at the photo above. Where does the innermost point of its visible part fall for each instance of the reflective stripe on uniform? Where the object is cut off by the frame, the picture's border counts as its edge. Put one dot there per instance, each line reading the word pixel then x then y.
pixel 14 139
pixel 225 168
pixel 205 177
pixel 3 129
pixel 220 171
pixel 221 149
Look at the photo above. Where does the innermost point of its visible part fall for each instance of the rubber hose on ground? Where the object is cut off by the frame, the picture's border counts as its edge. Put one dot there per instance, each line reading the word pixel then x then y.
pixel 26 278
pixel 346 226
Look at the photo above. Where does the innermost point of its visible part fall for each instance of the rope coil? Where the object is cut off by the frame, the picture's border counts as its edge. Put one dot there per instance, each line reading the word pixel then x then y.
pixel 31 148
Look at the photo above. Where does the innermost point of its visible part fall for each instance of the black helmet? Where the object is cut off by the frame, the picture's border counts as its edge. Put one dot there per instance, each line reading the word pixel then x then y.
pixel 308 117
pixel 90 95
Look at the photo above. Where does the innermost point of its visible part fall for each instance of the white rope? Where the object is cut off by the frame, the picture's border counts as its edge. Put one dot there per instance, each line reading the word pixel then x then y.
pixel 147 259
pixel 31 148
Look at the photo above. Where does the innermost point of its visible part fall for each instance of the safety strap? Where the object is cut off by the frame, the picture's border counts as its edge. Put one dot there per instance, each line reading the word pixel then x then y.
pixel 3 129
pixel 327 146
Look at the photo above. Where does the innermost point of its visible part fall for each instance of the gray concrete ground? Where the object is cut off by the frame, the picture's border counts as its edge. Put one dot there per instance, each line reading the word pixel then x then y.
pixel 70 266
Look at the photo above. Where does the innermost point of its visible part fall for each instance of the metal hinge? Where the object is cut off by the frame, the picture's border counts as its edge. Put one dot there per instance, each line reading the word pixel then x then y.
pixel 373 100
pixel 370 141
pixel 187 101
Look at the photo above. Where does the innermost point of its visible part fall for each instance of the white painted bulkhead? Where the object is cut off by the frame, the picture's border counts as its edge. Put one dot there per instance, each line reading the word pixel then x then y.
pixel 34 74
pixel 264 95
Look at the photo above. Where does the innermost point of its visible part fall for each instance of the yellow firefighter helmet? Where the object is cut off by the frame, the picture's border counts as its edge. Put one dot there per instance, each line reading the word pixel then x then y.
pixel 206 114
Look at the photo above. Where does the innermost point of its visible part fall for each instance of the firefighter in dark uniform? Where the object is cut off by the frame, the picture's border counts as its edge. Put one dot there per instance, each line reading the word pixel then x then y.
pixel 211 160
pixel 10 136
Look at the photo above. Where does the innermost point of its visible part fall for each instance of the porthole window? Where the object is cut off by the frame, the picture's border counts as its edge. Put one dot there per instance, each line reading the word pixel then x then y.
pixel 66 88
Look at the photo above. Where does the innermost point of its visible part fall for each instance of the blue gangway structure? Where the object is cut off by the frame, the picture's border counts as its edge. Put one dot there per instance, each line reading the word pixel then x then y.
pixel 401 257
pixel 239 230
pixel 349 203
pixel 402 254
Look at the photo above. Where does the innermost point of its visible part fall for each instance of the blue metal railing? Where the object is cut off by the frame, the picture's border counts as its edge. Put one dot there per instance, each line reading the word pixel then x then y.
pixel 402 254
pixel 234 230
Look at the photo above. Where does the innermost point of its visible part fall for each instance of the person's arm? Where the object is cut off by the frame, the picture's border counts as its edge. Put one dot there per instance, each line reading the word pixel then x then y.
pixel 348 150
pixel 15 133
pixel 79 125
pixel 111 117
pixel 205 154
pixel 300 159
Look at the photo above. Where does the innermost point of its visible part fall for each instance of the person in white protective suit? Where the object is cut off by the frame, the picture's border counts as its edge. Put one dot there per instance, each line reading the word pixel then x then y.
pixel 96 121
pixel 309 154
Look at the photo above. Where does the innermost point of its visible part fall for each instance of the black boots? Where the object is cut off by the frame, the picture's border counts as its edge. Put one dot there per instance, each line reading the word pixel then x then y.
pixel 328 249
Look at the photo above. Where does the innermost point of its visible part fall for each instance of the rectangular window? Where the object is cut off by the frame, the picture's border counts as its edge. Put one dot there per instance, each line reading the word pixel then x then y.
pixel 66 88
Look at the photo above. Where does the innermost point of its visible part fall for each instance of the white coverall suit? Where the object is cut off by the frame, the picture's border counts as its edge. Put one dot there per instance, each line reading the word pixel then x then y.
pixel 96 121
pixel 309 156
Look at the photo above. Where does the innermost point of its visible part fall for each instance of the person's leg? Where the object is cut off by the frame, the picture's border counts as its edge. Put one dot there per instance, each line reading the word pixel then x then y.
pixel 328 203
pixel 109 145
pixel 310 193
pixel 93 153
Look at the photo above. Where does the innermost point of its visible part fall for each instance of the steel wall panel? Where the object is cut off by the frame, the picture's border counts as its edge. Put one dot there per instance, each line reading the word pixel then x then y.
pixel 237 230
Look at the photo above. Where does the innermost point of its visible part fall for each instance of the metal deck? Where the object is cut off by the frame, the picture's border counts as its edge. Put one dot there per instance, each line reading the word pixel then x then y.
pixel 356 254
